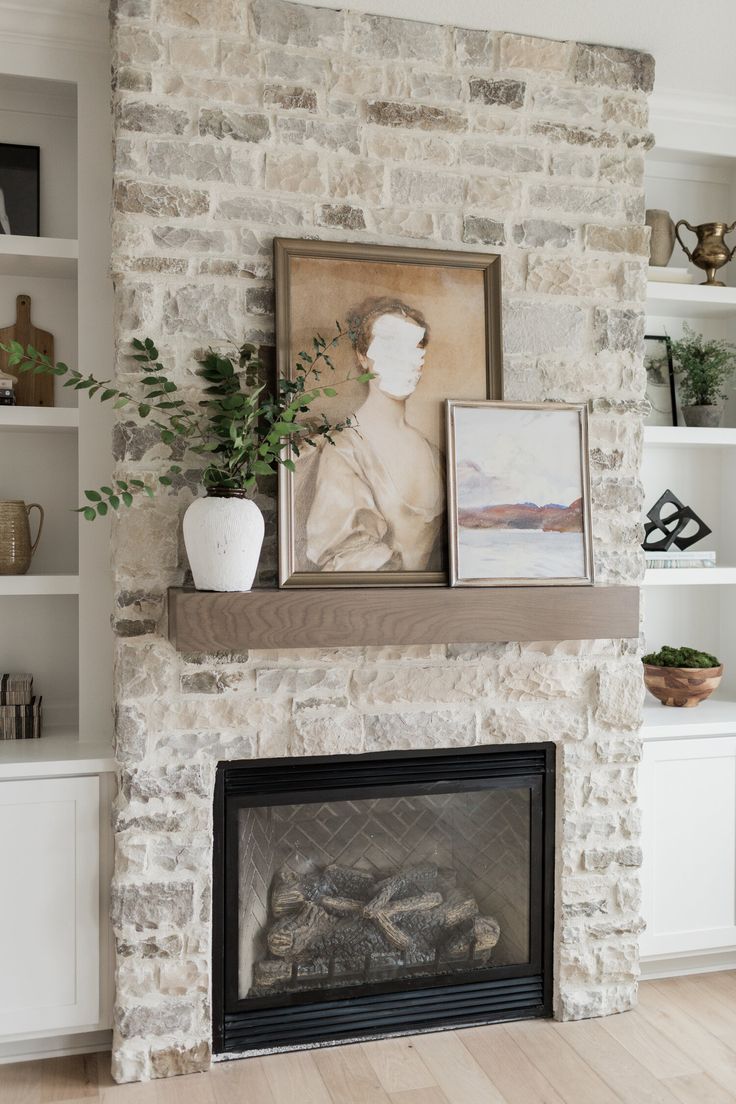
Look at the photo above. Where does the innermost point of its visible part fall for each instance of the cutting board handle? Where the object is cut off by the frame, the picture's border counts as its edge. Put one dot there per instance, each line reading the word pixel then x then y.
pixel 23 310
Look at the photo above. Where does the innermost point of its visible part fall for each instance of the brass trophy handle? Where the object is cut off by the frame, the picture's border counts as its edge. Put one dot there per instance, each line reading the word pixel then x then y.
pixel 684 222
pixel 35 506
pixel 729 230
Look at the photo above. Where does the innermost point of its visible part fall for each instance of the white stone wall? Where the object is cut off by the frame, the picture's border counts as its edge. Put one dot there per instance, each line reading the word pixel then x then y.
pixel 236 121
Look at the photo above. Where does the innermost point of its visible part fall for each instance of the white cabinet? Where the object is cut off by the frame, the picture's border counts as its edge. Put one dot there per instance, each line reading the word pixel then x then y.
pixel 688 801
pixel 50 916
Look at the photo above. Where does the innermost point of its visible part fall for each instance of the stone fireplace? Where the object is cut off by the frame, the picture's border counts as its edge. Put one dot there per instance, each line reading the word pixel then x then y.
pixel 374 894
pixel 236 122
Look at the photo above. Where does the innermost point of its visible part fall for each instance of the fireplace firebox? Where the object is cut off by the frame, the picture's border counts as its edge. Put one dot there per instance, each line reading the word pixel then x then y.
pixel 366 895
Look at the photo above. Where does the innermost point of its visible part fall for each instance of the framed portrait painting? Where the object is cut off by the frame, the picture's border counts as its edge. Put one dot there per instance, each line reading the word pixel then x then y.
pixel 518 494
pixel 369 508
pixel 19 189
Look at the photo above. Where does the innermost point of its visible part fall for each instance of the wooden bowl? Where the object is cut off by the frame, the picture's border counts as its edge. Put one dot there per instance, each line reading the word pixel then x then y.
pixel 681 686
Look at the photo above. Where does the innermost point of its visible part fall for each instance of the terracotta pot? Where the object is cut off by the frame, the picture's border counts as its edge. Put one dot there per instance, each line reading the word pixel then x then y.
pixel 708 417
pixel 682 686
pixel 16 549
pixel 223 534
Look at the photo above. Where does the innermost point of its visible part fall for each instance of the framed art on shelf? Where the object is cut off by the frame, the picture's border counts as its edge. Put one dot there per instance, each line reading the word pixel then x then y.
pixel 661 390
pixel 369 509
pixel 518 494
pixel 19 189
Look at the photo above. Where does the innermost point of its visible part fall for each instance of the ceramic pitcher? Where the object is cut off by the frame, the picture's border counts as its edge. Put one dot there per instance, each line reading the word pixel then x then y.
pixel 16 549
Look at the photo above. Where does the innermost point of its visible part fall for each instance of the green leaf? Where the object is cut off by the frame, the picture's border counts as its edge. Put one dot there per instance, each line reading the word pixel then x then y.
pixel 107 490
pixel 289 465
pixel 164 480
pixel 127 498
pixel 329 391
pixel 93 496
pixel 102 508
pixel 137 483
pixel 144 410
pixel 114 501
pixel 89 513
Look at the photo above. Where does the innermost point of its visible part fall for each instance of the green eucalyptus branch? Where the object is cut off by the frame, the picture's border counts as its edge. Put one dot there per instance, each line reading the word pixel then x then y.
pixel 238 428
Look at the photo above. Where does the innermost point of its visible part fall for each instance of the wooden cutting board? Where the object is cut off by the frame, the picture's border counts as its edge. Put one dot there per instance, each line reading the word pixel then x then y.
pixel 30 390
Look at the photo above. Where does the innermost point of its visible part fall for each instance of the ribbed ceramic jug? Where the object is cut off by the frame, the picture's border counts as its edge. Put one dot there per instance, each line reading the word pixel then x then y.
pixel 16 548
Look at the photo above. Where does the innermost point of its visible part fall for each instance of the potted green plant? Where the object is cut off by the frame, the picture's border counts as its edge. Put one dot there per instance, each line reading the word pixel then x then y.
pixel 238 428
pixel 681 676
pixel 705 369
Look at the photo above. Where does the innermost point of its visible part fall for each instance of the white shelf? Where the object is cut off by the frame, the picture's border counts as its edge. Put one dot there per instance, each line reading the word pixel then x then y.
pixel 713 717
pixel 688 436
pixel 686 300
pixel 28 256
pixel 39 419
pixel 38 584
pixel 58 753
pixel 690 576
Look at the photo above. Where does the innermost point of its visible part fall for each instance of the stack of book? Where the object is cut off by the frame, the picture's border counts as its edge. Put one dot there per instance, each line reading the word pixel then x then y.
pixel 675 558
pixel 20 711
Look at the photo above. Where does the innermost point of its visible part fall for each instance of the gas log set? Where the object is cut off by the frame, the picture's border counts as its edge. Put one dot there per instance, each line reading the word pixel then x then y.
pixel 343 925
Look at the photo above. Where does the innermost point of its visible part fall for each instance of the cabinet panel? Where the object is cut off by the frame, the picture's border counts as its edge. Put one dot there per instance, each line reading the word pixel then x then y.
pixel 49 923
pixel 688 794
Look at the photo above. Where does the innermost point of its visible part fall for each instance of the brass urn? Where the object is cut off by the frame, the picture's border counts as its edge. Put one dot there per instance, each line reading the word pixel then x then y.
pixel 711 252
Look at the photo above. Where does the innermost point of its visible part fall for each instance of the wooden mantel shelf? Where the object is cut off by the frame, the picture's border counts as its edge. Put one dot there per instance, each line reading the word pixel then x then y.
pixel 206 622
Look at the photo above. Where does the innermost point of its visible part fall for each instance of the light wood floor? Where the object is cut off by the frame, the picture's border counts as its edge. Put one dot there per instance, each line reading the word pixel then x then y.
pixel 678 1046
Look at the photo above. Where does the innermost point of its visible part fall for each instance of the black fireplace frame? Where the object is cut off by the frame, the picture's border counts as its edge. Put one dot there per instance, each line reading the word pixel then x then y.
pixel 408 1006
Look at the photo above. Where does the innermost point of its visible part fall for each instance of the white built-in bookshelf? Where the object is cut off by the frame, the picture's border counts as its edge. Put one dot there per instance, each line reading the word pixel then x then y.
pixel 55 619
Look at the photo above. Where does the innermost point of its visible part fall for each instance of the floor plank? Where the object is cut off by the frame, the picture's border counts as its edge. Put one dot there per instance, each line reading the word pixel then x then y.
pixel 349 1076
pixel 455 1070
pixel 20 1083
pixel 69 1079
pixel 573 1078
pixel 688 1035
pixel 705 1003
pixel 507 1067
pixel 294 1079
pixel 613 1063
pixel 398 1066
pixel 698 1088
pixel 419 1096
pixel 649 1046
pixel 237 1082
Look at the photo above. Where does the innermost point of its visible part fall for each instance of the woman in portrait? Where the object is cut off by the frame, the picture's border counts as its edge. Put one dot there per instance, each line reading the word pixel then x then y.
pixel 379 500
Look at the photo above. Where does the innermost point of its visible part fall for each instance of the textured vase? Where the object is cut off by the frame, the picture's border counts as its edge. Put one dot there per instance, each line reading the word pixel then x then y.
pixel 223 534
pixel 662 240
pixel 16 546
pixel 705 417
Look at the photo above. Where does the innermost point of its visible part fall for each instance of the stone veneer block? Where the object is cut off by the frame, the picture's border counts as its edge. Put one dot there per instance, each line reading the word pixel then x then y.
pixel 236 120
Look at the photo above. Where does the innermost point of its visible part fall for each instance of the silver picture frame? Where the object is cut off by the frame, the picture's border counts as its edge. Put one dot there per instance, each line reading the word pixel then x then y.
pixel 457 575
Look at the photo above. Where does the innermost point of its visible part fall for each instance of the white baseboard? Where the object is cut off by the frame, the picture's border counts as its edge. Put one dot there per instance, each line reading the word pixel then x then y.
pixel 664 966
pixel 54 1046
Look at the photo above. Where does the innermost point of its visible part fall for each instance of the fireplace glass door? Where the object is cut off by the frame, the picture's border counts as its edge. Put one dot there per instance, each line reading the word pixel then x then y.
pixel 417 872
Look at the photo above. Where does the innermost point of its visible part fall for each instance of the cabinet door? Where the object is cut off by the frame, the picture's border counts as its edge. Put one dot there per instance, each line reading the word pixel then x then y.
pixel 49 920
pixel 688 801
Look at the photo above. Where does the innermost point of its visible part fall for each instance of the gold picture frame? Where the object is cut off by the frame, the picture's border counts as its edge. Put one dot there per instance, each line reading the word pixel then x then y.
pixel 459 294
pixel 535 466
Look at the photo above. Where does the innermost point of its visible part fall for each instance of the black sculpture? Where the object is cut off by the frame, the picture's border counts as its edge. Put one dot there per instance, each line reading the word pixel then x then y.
pixel 672 525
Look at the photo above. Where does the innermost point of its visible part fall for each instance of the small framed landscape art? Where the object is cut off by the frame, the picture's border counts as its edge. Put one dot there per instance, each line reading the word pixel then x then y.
pixel 661 390
pixel 19 189
pixel 518 494
pixel 368 508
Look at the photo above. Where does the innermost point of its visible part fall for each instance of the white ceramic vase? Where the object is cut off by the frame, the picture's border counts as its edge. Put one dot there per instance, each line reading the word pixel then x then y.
pixel 223 534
